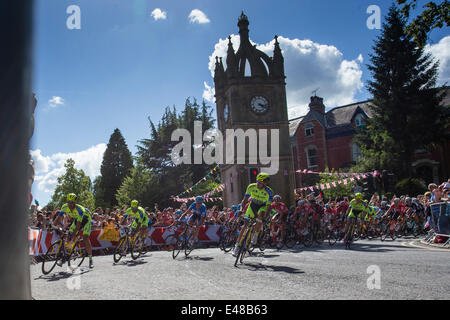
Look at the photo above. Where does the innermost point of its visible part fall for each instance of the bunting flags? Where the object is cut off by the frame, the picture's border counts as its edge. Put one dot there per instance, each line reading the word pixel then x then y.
pixel 203 179
pixel 206 196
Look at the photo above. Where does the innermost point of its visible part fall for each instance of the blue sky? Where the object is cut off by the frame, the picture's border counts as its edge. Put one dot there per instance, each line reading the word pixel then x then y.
pixel 124 66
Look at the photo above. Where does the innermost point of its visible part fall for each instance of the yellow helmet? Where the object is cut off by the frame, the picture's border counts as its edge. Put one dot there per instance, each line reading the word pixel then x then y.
pixel 262 177
pixel 359 196
pixel 71 197
pixel 134 204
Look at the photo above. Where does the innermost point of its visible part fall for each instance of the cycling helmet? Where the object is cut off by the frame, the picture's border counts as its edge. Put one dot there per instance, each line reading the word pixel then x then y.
pixel 383 203
pixel 396 200
pixel 234 208
pixel 359 196
pixel 300 202
pixel 71 197
pixel 134 204
pixel 262 177
pixel 199 200
pixel 277 198
pixel 408 199
pixel 178 212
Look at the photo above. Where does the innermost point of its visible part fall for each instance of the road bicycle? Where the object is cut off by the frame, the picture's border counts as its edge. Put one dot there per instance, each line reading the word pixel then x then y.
pixel 63 250
pixel 181 239
pixel 130 242
pixel 245 244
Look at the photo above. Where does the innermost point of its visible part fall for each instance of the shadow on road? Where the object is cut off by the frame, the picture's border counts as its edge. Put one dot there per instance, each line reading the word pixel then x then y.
pixel 262 267
pixel 199 258
pixel 387 246
pixel 131 263
pixel 60 276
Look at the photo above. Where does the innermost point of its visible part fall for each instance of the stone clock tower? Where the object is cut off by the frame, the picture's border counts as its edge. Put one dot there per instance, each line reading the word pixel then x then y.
pixel 255 99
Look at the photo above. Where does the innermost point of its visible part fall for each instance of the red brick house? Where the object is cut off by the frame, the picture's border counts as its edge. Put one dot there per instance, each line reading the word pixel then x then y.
pixel 321 140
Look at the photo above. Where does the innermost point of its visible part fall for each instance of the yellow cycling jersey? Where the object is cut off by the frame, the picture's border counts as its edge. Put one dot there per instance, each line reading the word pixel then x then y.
pixel 77 213
pixel 259 196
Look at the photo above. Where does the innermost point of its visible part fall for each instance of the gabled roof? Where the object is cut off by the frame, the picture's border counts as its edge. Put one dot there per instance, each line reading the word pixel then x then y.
pixel 337 120
pixel 315 115
pixel 293 125
pixel 344 115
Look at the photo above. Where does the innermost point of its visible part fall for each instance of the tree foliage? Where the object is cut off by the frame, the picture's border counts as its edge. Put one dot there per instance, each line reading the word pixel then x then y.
pixel 434 15
pixel 154 153
pixel 73 181
pixel 406 111
pixel 116 165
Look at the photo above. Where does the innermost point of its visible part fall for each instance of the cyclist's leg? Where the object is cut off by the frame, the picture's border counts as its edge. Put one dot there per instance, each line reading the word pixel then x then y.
pixel 259 223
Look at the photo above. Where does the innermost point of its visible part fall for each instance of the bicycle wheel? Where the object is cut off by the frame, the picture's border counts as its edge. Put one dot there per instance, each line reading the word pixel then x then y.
pixel 291 240
pixel 332 238
pixel 179 245
pixel 308 240
pixel 51 257
pixel 230 240
pixel 188 247
pixel 242 248
pixel 121 247
pixel 319 237
pixel 136 248
pixel 76 257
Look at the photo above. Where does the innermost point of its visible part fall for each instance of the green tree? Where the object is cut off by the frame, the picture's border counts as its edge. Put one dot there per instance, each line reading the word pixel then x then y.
pixel 434 15
pixel 155 153
pixel 116 165
pixel 341 190
pixel 134 187
pixel 406 111
pixel 73 181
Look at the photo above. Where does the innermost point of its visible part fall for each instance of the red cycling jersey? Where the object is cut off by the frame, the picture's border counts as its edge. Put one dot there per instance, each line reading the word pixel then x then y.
pixel 279 207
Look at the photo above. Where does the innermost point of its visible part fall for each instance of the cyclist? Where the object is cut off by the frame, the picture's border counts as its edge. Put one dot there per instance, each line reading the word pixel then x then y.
pixel 198 210
pixel 355 209
pixel 281 215
pixel 141 221
pixel 259 206
pixel 81 219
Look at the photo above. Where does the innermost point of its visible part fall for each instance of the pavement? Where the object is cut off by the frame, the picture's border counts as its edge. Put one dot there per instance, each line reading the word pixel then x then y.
pixel 374 270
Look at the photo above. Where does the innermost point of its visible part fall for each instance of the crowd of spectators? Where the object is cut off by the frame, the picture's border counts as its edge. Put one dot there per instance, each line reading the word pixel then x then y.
pixel 102 218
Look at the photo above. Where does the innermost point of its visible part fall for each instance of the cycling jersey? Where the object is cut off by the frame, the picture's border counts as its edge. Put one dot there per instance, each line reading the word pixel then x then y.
pixel 262 196
pixel 280 208
pixel 356 208
pixel 139 216
pixel 260 199
pixel 198 212
pixel 79 214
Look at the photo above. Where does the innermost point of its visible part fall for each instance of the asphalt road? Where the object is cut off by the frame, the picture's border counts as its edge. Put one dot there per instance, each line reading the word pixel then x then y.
pixel 372 270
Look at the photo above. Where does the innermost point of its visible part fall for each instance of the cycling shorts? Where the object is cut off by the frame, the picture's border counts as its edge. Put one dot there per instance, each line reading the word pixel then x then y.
pixel 86 225
pixel 252 208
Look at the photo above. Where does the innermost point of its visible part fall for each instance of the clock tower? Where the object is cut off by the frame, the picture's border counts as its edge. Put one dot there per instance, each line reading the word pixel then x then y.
pixel 253 99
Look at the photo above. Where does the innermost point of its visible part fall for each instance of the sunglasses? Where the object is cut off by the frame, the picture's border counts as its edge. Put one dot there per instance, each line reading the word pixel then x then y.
pixel 70 202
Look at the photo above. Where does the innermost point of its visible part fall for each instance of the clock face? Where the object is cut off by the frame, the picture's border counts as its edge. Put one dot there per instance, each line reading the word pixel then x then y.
pixel 259 105
pixel 226 112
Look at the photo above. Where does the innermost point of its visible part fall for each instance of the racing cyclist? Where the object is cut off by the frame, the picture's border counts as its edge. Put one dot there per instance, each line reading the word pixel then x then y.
pixel 355 209
pixel 280 216
pixel 141 221
pixel 258 208
pixel 81 220
pixel 198 210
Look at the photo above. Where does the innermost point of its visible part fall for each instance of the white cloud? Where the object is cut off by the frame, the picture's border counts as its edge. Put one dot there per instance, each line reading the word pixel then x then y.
pixel 208 93
pixel 55 101
pixel 158 14
pixel 441 52
pixel 308 66
pixel 49 168
pixel 197 16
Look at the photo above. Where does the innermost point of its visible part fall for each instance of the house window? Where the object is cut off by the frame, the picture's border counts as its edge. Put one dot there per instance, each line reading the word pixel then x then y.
pixel 312 157
pixel 359 120
pixel 356 152
pixel 309 130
